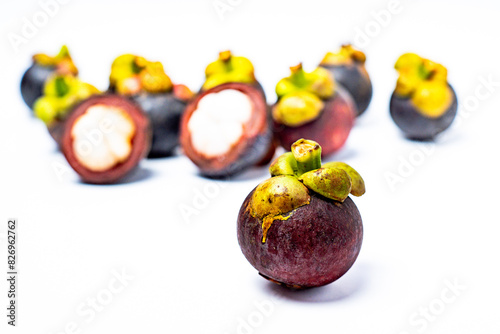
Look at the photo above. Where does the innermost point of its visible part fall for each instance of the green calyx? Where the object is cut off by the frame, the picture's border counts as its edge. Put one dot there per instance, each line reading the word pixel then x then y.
pixel 334 180
pixel 347 55
pixel 275 198
pixel 62 61
pixel 357 182
pixel 61 92
pixel 228 68
pixel 294 175
pixel 132 74
pixel 318 82
pixel 297 108
pixel 301 96
pixel 333 183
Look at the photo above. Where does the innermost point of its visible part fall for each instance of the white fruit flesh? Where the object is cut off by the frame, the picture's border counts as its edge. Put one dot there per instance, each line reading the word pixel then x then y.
pixel 102 137
pixel 217 123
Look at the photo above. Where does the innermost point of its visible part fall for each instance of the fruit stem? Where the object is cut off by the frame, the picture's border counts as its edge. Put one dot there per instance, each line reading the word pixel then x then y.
pixel 298 76
pixel 308 155
pixel 225 57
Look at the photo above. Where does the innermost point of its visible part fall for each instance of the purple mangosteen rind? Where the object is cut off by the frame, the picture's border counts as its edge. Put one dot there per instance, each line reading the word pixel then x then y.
pixel 417 126
pixel 164 111
pixel 299 228
pixel 423 104
pixel 257 150
pixel 255 147
pixel 315 245
pixel 356 81
pixel 347 66
pixel 33 81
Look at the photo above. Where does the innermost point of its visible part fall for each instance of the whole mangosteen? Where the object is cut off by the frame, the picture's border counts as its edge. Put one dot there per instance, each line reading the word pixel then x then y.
pixel 147 84
pixel 311 105
pixel 41 70
pixel 423 104
pixel 61 94
pixel 299 228
pixel 348 68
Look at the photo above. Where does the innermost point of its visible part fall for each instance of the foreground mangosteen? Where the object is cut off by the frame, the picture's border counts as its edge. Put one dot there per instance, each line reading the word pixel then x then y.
pixel 148 85
pixel 423 104
pixel 225 129
pixel 41 70
pixel 105 137
pixel 60 94
pixel 230 68
pixel 348 68
pixel 299 228
pixel 311 105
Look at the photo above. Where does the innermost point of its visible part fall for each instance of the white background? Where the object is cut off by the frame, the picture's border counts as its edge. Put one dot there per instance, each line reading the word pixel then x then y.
pixel 438 226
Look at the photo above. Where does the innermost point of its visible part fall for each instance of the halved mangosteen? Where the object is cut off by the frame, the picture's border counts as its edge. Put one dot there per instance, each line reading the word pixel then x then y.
pixel 41 70
pixel 147 84
pixel 225 129
pixel 105 137
pixel 311 105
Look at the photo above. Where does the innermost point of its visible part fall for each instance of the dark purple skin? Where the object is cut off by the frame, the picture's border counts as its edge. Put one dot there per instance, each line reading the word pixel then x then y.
pixel 356 81
pixel 164 111
pixel 33 82
pixel 416 126
pixel 314 247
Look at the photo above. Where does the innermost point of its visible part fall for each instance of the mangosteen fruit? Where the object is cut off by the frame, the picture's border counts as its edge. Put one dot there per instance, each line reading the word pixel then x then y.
pixel 348 68
pixel 299 228
pixel 423 103
pixel 225 129
pixel 41 70
pixel 311 105
pixel 60 94
pixel 147 84
pixel 105 137
pixel 230 68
